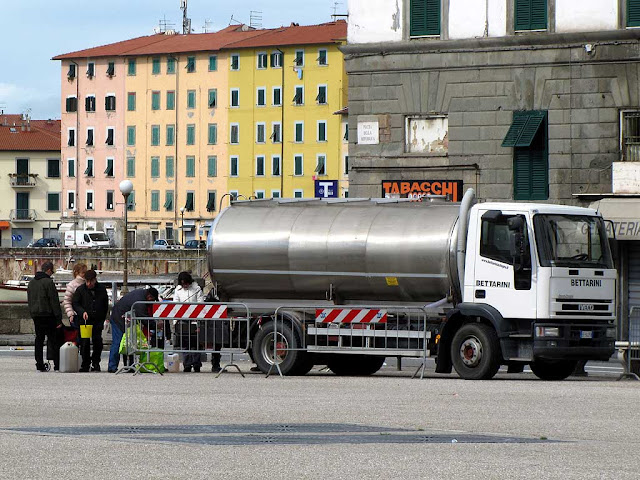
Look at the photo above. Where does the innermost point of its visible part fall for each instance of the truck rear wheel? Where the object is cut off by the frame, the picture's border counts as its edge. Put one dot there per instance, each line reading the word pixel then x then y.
pixel 283 352
pixel 553 369
pixel 475 352
pixel 355 365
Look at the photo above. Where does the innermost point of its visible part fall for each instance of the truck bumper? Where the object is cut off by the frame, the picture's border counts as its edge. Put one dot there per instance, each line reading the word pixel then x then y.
pixel 555 341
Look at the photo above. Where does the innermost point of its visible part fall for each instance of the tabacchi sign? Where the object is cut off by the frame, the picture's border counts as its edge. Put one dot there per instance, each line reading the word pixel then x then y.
pixel 417 189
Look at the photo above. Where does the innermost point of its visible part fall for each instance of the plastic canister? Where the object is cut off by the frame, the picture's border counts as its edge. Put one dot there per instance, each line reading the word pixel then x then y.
pixel 69 358
pixel 173 363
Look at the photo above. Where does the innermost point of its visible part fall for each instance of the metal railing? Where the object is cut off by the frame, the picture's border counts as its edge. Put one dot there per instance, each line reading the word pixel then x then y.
pixel 23 179
pixel 629 349
pixel 22 214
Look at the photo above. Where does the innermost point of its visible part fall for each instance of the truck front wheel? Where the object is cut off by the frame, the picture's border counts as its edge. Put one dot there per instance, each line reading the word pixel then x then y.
pixel 281 347
pixel 552 369
pixel 475 352
pixel 355 365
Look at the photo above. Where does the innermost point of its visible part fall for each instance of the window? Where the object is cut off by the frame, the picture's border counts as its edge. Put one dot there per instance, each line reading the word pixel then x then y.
pixel 321 164
pixel 260 135
pixel 528 137
pixel 111 133
pixel 299 61
pixel 169 166
pixel 213 63
pixel 275 165
pixel 155 135
pixel 90 103
pixel 71 74
pixel 424 17
pixel 346 194
pixel 109 170
pixel 213 133
pixel 71 167
pixel 191 64
pixel 191 134
pixel 191 166
pixel 321 98
pixel 234 134
pixel 233 168
pixel 298 98
pixel 213 98
pixel 131 135
pixel 171 134
pixel 89 170
pixel 530 15
pixel 131 166
pixel 275 193
pixel 168 201
pixel 276 60
pixel 190 203
pixel 233 194
pixel 322 57
pixel 322 131
pixel 191 99
pixel 91 69
pixel 155 100
pixel 131 66
pixel 298 168
pixel 261 96
pixel 299 132
pixel 155 167
pixel 89 200
pixel 260 166
pixel 346 164
pixel 235 97
pixel 53 168
pixel 71 137
pixel 171 65
pixel 71 199
pixel 277 97
pixel 110 203
pixel 89 141
pixel 155 200
pixel 262 60
pixel 276 132
pixel 298 194
pixel 110 102
pixel 155 66
pixel 235 61
pixel 212 166
pixel 131 201
pixel 211 201
pixel 131 101
pixel 630 136
pixel 171 100
pixel 111 69
pixel 72 104
pixel 495 238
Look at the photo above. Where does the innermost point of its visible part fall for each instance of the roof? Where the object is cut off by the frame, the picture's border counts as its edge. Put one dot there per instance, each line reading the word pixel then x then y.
pixel 38 135
pixel 232 37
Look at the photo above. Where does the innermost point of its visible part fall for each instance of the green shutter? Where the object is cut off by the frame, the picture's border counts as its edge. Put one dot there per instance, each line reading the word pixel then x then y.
pixel 155 66
pixel 131 70
pixel 171 65
pixel 299 137
pixel 213 98
pixel 425 17
pixel 530 15
pixel 155 167
pixel 155 200
pixel 531 164
pixel 131 101
pixel 155 100
pixel 213 134
pixel 191 99
pixel 633 13
pixel 213 63
pixel 131 136
pixel 524 128
pixel 155 135
pixel 191 166
pixel 170 134
pixel 131 166
pixel 169 167
pixel 168 200
pixel 212 166
pixel 171 100
pixel 191 134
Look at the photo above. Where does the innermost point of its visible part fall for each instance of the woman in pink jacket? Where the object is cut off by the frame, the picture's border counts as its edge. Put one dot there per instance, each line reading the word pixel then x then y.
pixel 79 269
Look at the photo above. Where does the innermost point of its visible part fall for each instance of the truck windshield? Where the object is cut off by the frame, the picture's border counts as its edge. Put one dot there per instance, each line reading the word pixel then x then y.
pixel 572 241
pixel 99 237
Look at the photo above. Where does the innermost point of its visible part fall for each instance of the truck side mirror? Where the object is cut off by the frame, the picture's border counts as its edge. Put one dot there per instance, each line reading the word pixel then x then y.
pixel 516 242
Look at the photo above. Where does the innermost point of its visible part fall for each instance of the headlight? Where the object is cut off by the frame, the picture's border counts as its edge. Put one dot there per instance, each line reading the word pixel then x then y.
pixel 547 331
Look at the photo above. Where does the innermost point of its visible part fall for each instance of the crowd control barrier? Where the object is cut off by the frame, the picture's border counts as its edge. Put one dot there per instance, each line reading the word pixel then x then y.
pixel 630 348
pixel 213 328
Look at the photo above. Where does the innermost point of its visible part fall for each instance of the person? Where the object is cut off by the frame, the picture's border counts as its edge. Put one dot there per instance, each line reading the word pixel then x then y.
pixel 45 310
pixel 79 269
pixel 91 302
pixel 190 292
pixel 116 319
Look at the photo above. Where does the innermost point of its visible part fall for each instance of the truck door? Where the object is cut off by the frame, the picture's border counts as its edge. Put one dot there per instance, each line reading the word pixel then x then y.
pixel 503 269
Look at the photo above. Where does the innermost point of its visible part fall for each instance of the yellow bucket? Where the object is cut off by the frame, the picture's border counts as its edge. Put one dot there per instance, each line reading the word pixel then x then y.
pixel 86 331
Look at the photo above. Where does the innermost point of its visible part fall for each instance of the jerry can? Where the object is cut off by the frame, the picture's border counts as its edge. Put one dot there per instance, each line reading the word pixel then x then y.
pixel 69 358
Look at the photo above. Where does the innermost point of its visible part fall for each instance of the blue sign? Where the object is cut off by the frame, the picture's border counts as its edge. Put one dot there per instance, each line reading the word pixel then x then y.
pixel 14 238
pixel 19 238
pixel 326 188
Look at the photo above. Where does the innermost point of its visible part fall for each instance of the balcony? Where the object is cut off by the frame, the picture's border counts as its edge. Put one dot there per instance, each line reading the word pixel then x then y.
pixel 23 180
pixel 22 215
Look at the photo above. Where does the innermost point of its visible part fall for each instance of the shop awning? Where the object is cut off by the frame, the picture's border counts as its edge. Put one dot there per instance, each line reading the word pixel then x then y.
pixel 624 213
pixel 65 227
pixel 4 225
pixel 523 129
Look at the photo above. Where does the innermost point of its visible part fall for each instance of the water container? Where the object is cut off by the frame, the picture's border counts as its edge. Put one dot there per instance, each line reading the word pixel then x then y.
pixel 173 363
pixel 69 358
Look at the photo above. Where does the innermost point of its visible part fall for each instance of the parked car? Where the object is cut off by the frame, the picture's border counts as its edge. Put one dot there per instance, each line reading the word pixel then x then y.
pixel 166 244
pixel 45 243
pixel 200 244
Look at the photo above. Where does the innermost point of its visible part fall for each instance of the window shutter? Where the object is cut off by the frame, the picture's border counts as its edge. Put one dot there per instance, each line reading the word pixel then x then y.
pixel 530 14
pixel 633 13
pixel 538 14
pixel 425 17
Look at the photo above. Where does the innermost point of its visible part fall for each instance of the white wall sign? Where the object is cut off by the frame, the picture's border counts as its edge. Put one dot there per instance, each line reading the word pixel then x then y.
pixel 368 133
pixel 625 177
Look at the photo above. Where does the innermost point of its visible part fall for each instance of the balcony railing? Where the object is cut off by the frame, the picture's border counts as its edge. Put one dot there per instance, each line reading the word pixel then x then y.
pixel 22 215
pixel 23 179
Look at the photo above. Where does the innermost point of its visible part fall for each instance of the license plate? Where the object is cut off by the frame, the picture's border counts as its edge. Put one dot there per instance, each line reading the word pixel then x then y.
pixel 586 334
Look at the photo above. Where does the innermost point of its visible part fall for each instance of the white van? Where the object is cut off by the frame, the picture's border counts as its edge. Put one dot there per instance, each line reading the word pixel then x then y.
pixel 86 238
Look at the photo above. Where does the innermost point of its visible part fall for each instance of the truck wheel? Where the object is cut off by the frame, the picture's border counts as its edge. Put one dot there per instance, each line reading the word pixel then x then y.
pixel 355 365
pixel 553 369
pixel 475 352
pixel 291 361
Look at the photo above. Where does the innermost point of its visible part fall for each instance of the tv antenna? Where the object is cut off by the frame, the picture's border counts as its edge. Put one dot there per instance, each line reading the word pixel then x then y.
pixel 207 26
pixel 335 14
pixel 255 19
pixel 186 22
pixel 165 25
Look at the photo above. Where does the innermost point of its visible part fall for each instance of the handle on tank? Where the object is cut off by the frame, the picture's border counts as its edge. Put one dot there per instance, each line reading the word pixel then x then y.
pixel 468 201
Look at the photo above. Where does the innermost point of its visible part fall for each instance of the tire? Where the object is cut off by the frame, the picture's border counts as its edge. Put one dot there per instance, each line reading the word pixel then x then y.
pixel 553 369
pixel 355 365
pixel 291 362
pixel 475 352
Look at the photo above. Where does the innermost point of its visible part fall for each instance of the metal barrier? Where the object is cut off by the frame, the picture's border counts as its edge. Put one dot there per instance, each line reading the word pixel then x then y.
pixel 386 331
pixel 197 328
pixel 630 349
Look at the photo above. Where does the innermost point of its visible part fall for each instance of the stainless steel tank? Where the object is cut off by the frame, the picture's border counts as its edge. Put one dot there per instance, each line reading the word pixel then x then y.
pixel 355 250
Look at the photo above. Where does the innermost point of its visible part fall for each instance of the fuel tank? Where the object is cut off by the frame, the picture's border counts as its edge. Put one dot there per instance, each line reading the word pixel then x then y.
pixel 347 250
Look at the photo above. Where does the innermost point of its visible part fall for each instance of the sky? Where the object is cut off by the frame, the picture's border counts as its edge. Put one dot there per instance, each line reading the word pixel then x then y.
pixel 34 31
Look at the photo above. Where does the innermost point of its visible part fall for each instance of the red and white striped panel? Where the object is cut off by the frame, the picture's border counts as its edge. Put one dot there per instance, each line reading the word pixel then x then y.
pixel 348 315
pixel 190 310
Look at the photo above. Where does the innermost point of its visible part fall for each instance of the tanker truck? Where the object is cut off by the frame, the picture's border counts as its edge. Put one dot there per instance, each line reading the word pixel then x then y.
pixel 502 283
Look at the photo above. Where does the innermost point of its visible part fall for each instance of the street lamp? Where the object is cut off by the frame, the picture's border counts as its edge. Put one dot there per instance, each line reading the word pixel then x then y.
pixel 126 187
pixel 182 228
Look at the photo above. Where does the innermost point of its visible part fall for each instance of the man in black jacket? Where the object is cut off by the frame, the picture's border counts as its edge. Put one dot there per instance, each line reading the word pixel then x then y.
pixel 44 307
pixel 91 303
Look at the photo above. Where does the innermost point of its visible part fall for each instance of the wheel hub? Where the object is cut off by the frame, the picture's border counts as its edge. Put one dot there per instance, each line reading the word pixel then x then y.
pixel 471 352
pixel 279 353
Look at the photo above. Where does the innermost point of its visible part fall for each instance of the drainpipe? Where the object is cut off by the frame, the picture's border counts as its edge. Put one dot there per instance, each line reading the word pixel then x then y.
pixel 282 126
pixel 77 140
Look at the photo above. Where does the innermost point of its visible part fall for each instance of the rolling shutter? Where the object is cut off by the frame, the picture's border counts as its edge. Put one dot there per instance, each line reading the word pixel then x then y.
pixel 425 17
